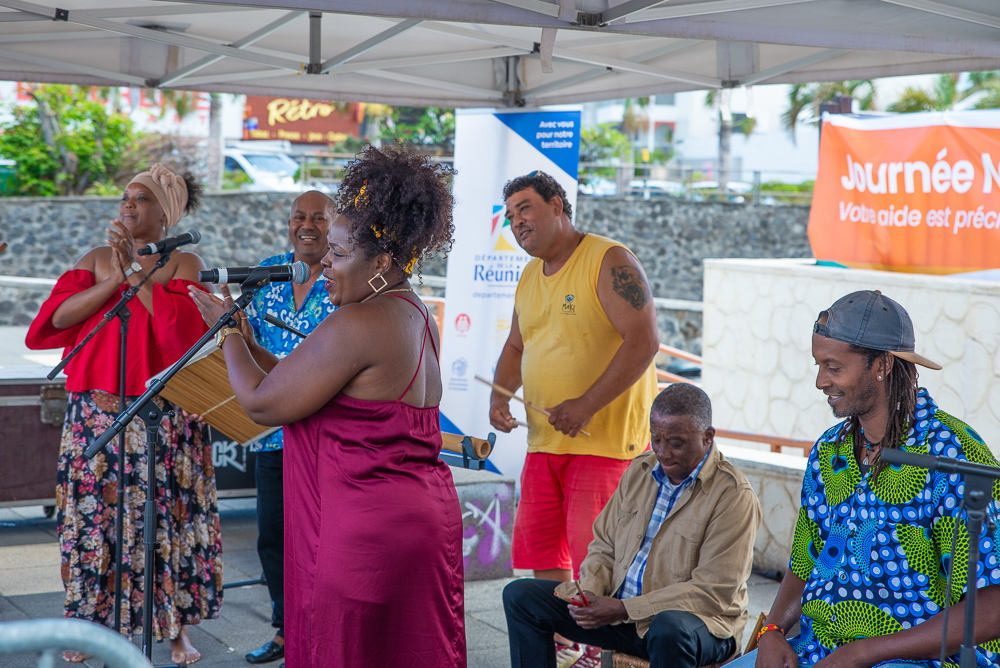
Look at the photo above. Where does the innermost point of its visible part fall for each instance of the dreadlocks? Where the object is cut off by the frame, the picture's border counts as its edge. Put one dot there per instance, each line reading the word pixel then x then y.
pixel 901 398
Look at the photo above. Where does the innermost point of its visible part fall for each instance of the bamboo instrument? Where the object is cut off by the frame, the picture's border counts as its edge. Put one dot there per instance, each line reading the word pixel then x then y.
pixel 453 443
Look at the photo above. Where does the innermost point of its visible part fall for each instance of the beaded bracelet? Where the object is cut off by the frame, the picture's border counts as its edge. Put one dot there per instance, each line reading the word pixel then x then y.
pixel 769 627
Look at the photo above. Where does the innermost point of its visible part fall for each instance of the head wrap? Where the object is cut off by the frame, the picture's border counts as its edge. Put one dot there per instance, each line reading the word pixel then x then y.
pixel 169 190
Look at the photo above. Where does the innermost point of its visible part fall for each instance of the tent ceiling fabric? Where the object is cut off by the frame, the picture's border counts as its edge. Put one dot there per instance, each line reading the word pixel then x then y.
pixel 471 53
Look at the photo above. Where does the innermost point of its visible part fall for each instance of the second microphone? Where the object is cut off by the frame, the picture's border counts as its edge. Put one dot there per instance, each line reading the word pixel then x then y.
pixel 297 272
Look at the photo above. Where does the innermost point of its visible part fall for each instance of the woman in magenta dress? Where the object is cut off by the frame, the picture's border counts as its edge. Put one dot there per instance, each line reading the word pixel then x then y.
pixel 373 530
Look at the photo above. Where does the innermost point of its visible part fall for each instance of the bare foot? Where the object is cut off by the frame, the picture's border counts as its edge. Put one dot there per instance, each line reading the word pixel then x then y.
pixel 75 657
pixel 181 649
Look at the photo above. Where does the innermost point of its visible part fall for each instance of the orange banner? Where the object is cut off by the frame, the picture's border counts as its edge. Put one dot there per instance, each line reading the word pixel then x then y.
pixel 914 192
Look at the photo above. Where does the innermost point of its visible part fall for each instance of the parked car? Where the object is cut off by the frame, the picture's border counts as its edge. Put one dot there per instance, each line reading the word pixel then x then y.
pixel 702 190
pixel 597 186
pixel 261 171
pixel 656 188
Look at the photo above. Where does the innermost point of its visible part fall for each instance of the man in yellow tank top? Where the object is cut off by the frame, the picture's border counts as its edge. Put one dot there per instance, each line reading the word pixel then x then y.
pixel 582 341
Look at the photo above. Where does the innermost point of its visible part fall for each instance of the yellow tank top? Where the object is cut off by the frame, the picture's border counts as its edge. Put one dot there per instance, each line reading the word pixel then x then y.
pixel 569 341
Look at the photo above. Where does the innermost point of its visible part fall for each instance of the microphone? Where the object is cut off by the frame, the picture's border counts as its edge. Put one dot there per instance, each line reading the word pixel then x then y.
pixel 297 272
pixel 170 243
pixel 944 464
pixel 282 324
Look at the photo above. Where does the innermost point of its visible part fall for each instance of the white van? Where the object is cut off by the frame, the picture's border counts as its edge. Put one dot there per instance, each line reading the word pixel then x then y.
pixel 261 170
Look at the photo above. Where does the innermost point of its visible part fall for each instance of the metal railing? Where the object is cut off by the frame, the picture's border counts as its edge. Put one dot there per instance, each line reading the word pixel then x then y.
pixel 686 182
pixel 48 637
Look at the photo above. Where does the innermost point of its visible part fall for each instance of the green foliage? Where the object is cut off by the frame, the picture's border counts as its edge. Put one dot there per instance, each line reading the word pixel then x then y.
pixel 184 103
pixel 104 189
pixel 745 125
pixel 64 142
pixel 235 179
pixel 603 144
pixel 424 126
pixel 811 96
pixel 948 90
pixel 349 145
pixel 789 193
pixel 990 98
pixel 913 100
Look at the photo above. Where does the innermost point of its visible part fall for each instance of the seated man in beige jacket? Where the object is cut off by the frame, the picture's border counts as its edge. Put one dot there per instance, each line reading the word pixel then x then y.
pixel 665 576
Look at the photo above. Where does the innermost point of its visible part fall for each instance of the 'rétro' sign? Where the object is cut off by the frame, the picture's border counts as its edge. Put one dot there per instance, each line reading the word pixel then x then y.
pixel 300 120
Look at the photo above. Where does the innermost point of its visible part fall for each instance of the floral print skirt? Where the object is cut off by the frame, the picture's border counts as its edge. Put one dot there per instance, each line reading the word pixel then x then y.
pixel 187 574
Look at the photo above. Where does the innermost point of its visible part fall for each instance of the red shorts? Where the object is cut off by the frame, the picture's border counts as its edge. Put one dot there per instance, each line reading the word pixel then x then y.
pixel 561 496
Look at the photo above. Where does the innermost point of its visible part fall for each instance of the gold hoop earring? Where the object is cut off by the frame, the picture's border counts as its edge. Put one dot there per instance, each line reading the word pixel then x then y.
pixel 381 287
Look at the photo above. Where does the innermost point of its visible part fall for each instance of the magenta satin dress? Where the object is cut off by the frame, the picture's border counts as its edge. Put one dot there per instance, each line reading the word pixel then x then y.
pixel 373 539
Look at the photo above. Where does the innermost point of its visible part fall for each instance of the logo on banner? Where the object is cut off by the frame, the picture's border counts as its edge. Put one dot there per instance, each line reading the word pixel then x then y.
pixel 500 233
pixel 458 381
pixel 501 329
pixel 463 323
pixel 568 307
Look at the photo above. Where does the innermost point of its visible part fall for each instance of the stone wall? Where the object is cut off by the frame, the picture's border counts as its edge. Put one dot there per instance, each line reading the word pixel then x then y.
pixel 670 237
pixel 777 481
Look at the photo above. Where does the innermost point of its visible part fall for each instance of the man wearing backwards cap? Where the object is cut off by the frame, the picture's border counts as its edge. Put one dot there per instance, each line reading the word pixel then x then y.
pixel 867 576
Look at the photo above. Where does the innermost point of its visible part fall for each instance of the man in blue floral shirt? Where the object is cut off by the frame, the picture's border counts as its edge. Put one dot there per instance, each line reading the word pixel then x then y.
pixel 302 307
pixel 872 545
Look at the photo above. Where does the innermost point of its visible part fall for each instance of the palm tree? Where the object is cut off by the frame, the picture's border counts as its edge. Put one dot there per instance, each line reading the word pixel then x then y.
pixel 720 99
pixel 805 96
pixel 941 97
pixel 945 93
pixel 215 142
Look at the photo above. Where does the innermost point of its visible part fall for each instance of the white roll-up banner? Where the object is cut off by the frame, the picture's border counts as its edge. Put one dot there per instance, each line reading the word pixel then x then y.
pixel 492 147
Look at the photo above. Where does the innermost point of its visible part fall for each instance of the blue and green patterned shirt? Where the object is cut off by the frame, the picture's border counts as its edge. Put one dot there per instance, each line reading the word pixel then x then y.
pixel 279 300
pixel 874 558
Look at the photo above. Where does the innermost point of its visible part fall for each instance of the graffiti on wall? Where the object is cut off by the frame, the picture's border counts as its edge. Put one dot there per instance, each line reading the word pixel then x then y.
pixel 487 523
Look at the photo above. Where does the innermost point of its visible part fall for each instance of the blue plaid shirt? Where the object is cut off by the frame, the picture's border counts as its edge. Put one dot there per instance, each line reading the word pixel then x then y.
pixel 278 299
pixel 666 497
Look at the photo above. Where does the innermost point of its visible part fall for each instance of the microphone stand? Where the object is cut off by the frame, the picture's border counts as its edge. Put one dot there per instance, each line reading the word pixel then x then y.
pixel 978 488
pixel 152 415
pixel 121 311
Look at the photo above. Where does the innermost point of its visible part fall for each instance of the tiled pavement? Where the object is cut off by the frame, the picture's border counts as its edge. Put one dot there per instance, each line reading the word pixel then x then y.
pixel 30 587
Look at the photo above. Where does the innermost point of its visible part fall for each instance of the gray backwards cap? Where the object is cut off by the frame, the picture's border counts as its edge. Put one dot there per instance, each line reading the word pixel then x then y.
pixel 869 319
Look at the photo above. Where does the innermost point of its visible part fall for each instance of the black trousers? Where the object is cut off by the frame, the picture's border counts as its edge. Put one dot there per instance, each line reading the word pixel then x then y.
pixel 271 530
pixel 675 639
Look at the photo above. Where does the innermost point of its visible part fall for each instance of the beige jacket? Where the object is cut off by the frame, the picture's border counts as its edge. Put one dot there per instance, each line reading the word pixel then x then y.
pixel 700 559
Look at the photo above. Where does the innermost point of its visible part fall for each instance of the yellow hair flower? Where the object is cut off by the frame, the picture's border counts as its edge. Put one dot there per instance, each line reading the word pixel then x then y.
pixel 362 199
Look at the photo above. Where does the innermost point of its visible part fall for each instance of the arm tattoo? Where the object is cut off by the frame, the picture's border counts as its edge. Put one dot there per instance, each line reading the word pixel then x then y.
pixel 630 285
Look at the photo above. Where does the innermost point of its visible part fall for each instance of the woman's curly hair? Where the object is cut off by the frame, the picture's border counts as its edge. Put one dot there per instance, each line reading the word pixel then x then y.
pixel 398 202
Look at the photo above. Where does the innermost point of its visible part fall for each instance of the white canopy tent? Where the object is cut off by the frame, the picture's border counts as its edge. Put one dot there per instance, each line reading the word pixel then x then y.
pixel 468 53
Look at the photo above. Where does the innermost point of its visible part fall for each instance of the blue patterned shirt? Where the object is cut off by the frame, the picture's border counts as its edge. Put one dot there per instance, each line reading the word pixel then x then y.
pixel 666 498
pixel 874 558
pixel 278 299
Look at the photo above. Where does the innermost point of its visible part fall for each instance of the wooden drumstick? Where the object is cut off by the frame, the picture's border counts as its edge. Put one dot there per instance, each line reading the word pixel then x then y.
pixel 507 393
